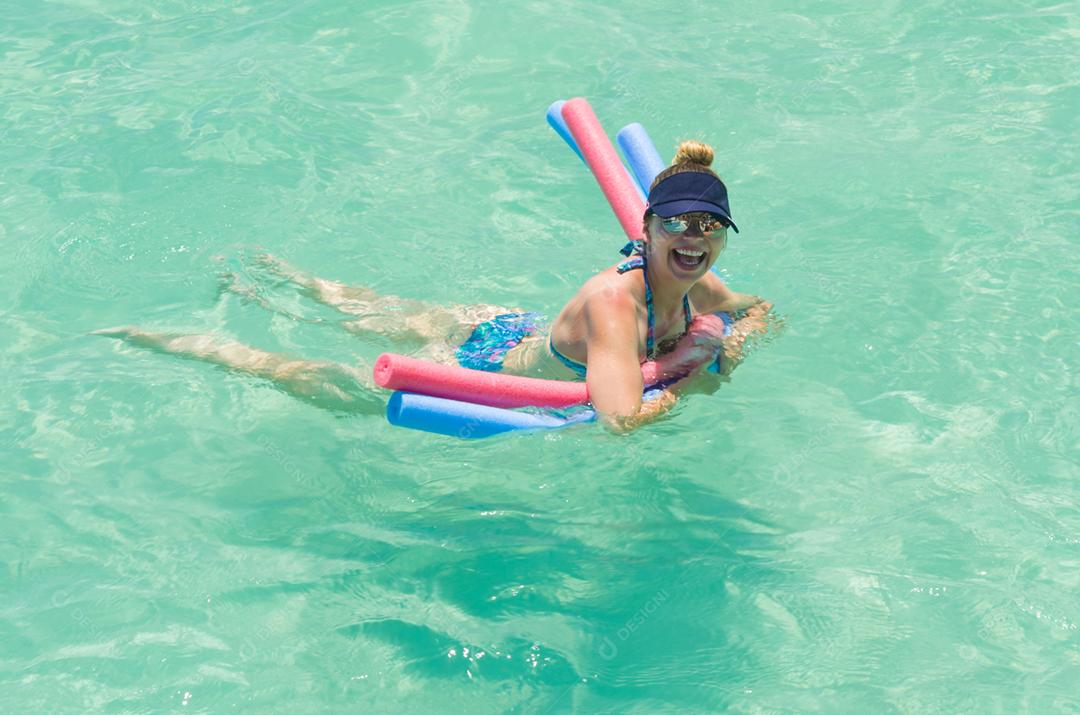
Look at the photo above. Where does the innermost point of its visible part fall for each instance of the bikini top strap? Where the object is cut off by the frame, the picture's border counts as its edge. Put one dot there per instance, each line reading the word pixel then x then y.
pixel 631 263
pixel 650 339
pixel 637 260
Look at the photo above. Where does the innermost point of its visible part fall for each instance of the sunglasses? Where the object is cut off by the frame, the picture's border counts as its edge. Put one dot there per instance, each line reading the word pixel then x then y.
pixel 707 223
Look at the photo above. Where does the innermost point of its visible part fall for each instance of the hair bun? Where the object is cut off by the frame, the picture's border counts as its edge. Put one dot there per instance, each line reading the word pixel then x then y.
pixel 693 152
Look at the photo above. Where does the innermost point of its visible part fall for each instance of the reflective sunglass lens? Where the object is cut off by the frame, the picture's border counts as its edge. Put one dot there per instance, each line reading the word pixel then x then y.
pixel 708 224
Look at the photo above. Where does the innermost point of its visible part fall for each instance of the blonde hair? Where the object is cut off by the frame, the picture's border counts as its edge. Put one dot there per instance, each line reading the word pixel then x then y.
pixel 691 156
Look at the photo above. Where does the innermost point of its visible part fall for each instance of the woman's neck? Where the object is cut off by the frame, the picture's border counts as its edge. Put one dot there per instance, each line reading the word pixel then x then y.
pixel 667 296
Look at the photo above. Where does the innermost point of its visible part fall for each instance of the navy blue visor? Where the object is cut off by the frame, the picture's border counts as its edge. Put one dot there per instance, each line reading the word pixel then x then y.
pixel 690 192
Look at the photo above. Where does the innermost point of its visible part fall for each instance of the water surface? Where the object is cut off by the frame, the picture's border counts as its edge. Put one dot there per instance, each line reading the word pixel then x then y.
pixel 877 514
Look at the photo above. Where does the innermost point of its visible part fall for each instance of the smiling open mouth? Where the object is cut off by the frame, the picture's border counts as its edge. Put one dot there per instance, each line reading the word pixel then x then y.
pixel 687 258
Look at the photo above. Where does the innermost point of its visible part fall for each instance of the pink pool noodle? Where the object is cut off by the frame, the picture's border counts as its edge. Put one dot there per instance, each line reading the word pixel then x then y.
pixel 399 372
pixel 605 164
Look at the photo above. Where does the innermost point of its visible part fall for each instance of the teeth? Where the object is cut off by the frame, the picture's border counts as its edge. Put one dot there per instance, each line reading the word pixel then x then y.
pixel 688 253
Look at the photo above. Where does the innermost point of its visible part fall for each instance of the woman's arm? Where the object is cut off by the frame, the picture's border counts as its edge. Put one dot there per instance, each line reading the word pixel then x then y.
pixel 613 373
pixel 710 295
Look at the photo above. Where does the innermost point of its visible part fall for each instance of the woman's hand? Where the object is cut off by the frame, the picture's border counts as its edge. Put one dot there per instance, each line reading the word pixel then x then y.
pixel 753 321
pixel 651 408
pixel 697 349
pixel 706 340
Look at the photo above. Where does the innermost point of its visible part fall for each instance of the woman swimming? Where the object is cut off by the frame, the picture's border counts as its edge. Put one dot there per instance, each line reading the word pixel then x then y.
pixel 637 310
pixel 622 317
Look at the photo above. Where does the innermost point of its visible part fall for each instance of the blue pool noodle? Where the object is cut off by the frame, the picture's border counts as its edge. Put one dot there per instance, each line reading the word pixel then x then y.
pixel 467 420
pixel 555 119
pixel 641 154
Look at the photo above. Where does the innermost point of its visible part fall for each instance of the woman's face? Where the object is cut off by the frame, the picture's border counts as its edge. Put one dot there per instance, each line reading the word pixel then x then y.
pixel 687 255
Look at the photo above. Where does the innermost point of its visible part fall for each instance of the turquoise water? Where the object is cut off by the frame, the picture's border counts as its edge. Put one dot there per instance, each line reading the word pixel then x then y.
pixel 877 514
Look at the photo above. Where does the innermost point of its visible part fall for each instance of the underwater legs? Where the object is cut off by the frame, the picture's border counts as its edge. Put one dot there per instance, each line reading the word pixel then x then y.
pixel 390 316
pixel 322 383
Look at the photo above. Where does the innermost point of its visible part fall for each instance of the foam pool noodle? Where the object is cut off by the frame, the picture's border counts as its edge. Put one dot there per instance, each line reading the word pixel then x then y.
pixel 641 154
pixel 494 389
pixel 621 192
pixel 467 420
pixel 555 119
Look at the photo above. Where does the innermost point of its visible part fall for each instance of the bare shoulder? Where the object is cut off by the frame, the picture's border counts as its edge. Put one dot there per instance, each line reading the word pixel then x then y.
pixel 569 324
pixel 608 297
pixel 605 301
pixel 611 286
